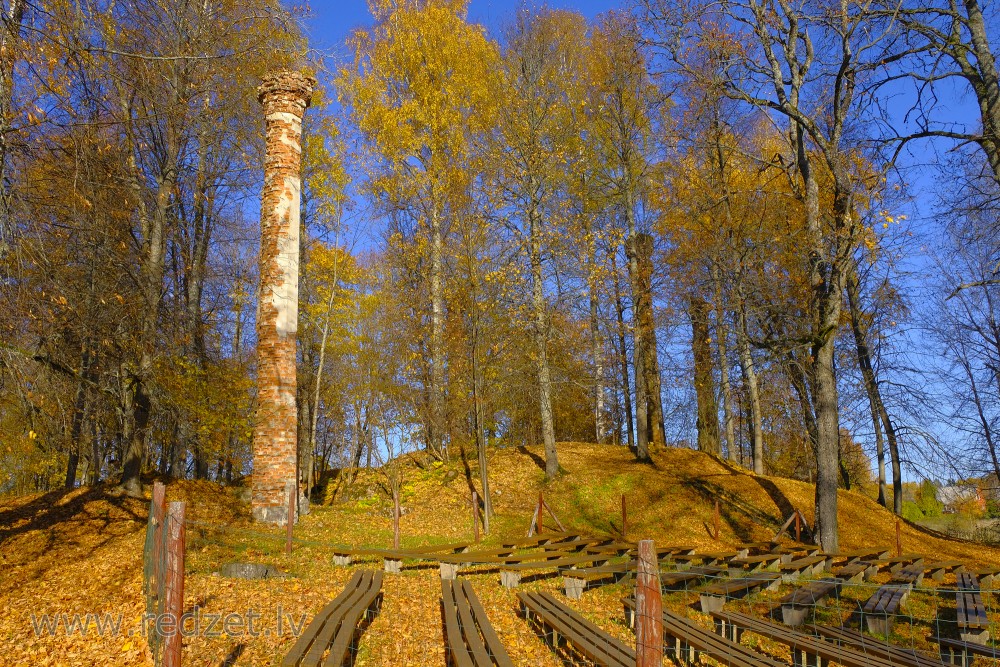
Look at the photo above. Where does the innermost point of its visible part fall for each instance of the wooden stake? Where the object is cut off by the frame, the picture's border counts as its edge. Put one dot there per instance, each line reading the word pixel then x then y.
pixel 395 520
pixel 717 519
pixel 290 522
pixel 899 540
pixel 648 609
pixel 475 514
pixel 158 508
pixel 624 519
pixel 173 607
pixel 798 527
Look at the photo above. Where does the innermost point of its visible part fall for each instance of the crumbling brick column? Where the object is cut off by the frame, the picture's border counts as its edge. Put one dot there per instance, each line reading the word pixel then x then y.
pixel 284 96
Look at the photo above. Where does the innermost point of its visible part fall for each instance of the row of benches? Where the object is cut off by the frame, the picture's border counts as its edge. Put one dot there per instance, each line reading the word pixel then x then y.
pixel 472 641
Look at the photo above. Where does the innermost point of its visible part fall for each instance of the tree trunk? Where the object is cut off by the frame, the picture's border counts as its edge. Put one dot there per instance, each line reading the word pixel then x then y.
pixel 623 356
pixel 827 444
pixel 10 47
pixel 986 85
pixel 704 378
pixel 153 253
pixel 728 416
pixel 435 438
pixel 880 416
pixel 648 403
pixel 597 352
pixel 541 335
pixel 753 392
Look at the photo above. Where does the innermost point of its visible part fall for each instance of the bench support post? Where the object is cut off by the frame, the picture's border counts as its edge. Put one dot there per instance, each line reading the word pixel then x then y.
pixel 733 633
pixel 801 658
pixel 574 587
pixel 954 656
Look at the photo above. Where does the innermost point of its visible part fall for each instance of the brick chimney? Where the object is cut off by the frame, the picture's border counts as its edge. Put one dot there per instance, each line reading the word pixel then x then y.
pixel 284 96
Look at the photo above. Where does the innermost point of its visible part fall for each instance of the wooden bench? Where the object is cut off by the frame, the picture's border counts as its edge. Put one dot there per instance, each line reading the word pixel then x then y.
pixel 691 575
pixel 393 558
pixel 809 565
pixel 897 655
pixel 349 555
pixel 939 569
pixel 470 639
pixel 684 561
pixel 987 575
pixel 577 579
pixel 510 573
pixel 541 539
pixel 897 563
pixel 719 557
pixel 684 640
pixel 790 552
pixel 450 564
pixel 807 650
pixel 957 652
pixel 558 622
pixel 856 572
pixel 714 597
pixel 795 606
pixel 740 566
pixel 858 555
pixel 973 626
pixel 758 547
pixel 881 607
pixel 913 575
pixel 338 625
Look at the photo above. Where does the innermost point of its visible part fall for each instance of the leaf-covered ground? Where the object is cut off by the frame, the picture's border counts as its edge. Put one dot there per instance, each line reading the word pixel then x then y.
pixel 77 553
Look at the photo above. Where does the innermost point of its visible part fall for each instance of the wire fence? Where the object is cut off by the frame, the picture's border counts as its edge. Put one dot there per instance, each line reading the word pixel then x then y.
pixel 764 617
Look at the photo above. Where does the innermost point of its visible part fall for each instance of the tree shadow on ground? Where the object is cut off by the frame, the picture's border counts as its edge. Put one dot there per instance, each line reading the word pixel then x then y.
pixel 777 496
pixel 48 511
pixel 735 512
pixel 539 461
pixel 233 655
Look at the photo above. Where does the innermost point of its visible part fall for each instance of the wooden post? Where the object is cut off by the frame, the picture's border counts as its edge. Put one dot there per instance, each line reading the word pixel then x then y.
pixel 798 527
pixel 624 519
pixel 158 508
pixel 174 604
pixel 717 519
pixel 290 522
pixel 648 609
pixel 899 539
pixel 475 514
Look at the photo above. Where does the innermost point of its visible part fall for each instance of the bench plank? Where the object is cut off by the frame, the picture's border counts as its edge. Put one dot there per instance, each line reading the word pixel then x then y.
pixel 898 655
pixel 714 597
pixel 337 624
pixel 559 621
pixel 684 639
pixel 806 649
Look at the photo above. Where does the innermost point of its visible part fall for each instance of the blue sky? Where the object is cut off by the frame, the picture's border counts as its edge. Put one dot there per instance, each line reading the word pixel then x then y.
pixel 332 20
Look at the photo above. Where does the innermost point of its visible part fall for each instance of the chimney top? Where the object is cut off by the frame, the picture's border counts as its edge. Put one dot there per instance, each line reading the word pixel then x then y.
pixel 287 81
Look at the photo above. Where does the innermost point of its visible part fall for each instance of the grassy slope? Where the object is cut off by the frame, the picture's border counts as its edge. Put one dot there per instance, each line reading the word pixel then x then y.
pixel 81 552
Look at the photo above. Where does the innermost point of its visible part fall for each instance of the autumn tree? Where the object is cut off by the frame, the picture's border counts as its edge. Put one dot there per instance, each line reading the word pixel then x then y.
pixel 624 103
pixel 541 84
pixel 417 88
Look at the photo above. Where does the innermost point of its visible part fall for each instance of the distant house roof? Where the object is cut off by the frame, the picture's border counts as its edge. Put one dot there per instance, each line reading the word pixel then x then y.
pixel 950 496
